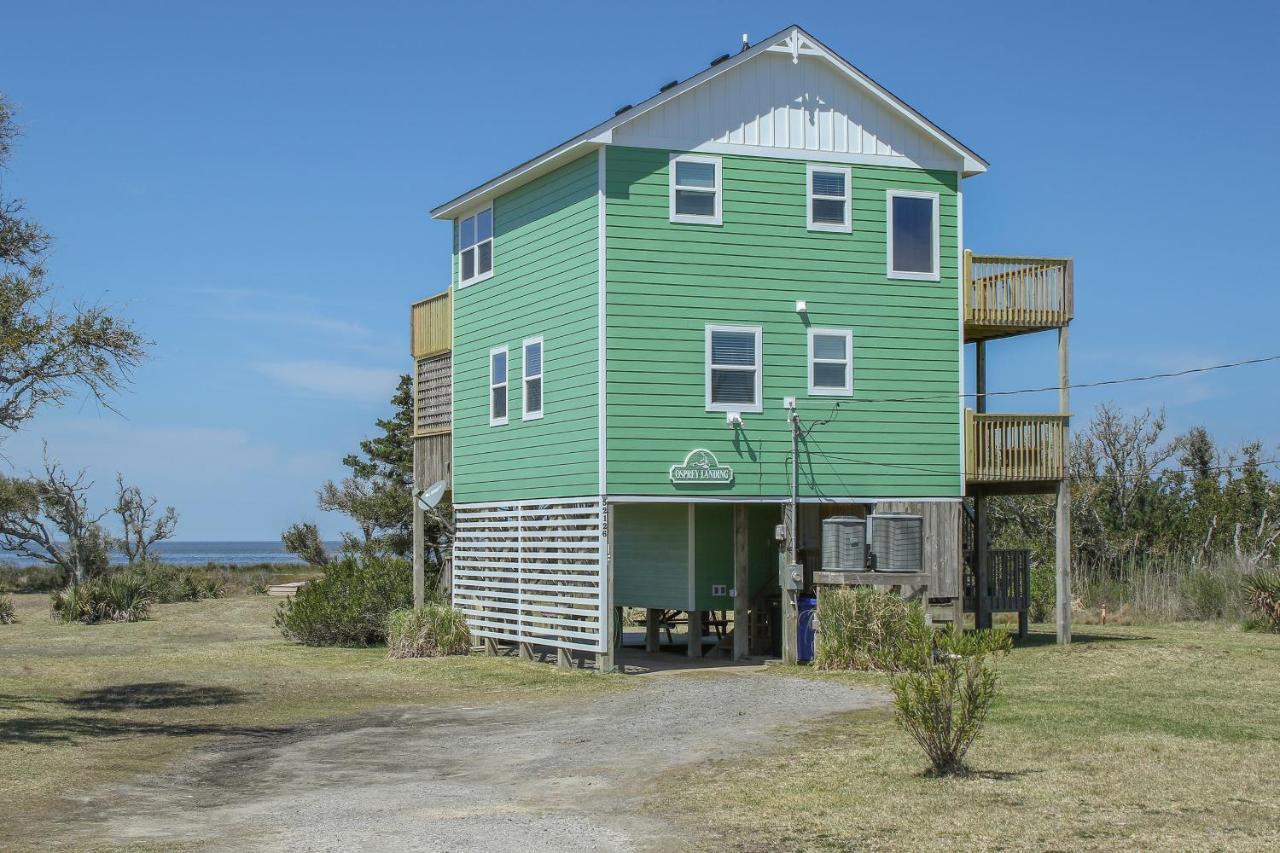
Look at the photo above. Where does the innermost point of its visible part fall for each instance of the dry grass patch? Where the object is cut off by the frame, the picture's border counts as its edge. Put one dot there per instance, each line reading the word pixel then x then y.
pixel 1148 738
pixel 82 706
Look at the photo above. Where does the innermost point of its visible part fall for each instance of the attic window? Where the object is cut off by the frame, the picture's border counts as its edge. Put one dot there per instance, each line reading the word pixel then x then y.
pixel 475 247
pixel 829 199
pixel 695 189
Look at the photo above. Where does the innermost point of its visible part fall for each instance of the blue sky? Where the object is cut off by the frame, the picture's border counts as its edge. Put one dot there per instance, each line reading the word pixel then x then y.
pixel 250 182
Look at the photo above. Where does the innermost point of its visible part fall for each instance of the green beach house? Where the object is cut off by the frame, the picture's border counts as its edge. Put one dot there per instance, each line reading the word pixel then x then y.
pixel 707 357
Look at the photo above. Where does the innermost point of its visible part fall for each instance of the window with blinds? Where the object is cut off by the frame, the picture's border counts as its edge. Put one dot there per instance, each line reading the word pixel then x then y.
pixel 532 379
pixel 829 199
pixel 498 386
pixel 733 368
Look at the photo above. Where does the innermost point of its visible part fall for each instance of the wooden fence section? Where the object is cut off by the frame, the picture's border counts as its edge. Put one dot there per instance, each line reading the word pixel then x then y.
pixel 1008 582
pixel 431 325
pixel 1002 448
pixel 1008 294
pixel 533 572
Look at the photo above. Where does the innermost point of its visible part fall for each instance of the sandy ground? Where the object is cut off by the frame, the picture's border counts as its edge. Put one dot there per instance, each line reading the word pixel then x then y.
pixel 532 777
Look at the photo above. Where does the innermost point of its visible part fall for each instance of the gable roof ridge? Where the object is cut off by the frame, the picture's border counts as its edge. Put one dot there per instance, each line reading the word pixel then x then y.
pixel 601 133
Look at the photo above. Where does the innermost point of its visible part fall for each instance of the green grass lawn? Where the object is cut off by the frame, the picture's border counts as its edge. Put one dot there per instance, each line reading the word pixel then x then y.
pixel 83 705
pixel 1164 737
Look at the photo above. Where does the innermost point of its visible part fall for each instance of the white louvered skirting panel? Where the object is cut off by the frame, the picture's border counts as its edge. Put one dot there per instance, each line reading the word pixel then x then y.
pixel 533 572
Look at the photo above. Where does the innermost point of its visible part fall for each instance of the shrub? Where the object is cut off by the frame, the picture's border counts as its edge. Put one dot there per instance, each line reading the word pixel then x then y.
pixel 259 583
pixel 1207 594
pixel 349 605
pixel 970 644
pixel 170 584
pixel 118 597
pixel 943 708
pixel 436 629
pixel 866 628
pixel 7 616
pixel 1044 591
pixel 1263 592
pixel 32 579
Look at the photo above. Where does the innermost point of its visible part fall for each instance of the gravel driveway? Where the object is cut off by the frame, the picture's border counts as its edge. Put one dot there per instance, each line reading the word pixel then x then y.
pixel 527 777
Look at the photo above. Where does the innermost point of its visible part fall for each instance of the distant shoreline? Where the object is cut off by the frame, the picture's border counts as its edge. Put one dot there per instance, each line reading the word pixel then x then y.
pixel 196 553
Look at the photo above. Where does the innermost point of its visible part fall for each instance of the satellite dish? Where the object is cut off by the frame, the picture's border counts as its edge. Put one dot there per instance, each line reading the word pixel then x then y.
pixel 430 496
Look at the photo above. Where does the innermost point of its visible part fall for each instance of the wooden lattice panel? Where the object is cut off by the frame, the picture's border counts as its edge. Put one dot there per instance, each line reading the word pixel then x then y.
pixel 533 572
pixel 433 395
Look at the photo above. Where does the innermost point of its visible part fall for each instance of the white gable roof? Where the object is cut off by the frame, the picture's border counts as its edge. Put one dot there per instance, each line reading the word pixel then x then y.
pixel 787 96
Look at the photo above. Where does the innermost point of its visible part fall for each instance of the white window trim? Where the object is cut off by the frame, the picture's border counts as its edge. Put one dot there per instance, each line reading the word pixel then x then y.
pixel 936 275
pixel 758 406
pixel 457 248
pixel 847 227
pixel 686 218
pixel 847 361
pixel 502 421
pixel 525 414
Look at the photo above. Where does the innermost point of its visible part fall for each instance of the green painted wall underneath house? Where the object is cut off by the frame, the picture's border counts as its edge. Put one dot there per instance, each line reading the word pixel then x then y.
pixel 651 554
pixel 666 281
pixel 545 282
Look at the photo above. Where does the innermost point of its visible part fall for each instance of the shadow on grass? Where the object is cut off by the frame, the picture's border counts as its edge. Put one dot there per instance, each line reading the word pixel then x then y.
pixel 1038 639
pixel 45 730
pixel 155 695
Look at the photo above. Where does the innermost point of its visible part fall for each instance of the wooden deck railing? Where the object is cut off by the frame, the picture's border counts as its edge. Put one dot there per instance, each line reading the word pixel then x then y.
pixel 1007 294
pixel 431 325
pixel 1008 581
pixel 1002 448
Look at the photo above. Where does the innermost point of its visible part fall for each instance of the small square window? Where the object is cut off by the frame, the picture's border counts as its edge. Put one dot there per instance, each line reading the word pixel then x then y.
pixel 830 362
pixel 733 369
pixel 533 366
pixel 475 247
pixel 913 235
pixel 829 199
pixel 695 189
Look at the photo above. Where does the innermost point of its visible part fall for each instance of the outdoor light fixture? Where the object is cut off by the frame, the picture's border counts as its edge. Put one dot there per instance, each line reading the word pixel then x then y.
pixel 801 306
pixel 733 419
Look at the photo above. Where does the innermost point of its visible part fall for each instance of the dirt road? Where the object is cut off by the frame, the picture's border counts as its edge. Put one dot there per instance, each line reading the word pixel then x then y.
pixel 529 777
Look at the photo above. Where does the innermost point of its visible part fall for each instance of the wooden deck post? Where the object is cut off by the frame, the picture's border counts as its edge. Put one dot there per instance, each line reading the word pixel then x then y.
pixel 564 660
pixel 695 633
pixel 790 616
pixel 419 532
pixel 611 616
pixel 526 650
pixel 1063 520
pixel 490 646
pixel 981 565
pixel 741 585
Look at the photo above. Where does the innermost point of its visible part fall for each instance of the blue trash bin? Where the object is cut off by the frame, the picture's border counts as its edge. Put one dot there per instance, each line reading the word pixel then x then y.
pixel 807 605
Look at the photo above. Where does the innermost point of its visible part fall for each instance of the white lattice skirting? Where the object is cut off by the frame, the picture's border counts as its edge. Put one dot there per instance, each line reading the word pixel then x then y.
pixel 533 572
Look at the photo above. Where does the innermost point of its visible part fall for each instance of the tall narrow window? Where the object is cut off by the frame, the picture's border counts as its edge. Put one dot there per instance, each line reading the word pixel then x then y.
pixel 913 235
pixel 733 369
pixel 475 247
pixel 829 199
pixel 830 362
pixel 497 386
pixel 532 379
pixel 695 189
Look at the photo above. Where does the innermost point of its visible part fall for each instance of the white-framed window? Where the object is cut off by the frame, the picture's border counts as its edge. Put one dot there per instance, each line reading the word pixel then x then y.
pixel 498 386
pixel 533 366
pixel 695 188
pixel 475 247
pixel 733 368
pixel 829 195
pixel 912 227
pixel 830 362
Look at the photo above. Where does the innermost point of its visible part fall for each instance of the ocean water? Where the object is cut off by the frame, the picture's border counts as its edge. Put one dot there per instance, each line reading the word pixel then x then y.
pixel 199 553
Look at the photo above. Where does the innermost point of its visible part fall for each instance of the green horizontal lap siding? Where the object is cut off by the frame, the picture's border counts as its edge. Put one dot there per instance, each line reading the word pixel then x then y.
pixel 545 283
pixel 667 281
pixel 651 556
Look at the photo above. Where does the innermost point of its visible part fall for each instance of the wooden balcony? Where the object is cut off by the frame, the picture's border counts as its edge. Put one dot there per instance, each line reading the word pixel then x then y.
pixel 1014 453
pixel 431 325
pixel 1010 295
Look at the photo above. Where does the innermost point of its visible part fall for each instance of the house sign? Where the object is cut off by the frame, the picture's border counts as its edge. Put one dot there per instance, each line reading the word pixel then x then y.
pixel 701 466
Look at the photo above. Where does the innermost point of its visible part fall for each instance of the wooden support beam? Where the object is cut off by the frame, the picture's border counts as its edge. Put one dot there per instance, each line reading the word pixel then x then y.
pixel 419 533
pixel 741 585
pixel 490 646
pixel 695 633
pixel 790 616
pixel 981 565
pixel 652 629
pixel 526 651
pixel 564 660
pixel 1063 519
pixel 610 624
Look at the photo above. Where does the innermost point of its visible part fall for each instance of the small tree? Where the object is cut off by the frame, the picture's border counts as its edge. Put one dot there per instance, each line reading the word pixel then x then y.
pixel 140 523
pixel 46 517
pixel 944 706
pixel 304 540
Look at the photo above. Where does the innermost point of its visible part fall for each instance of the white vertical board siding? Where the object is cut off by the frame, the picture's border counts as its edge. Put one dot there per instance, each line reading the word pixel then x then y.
pixel 787 110
pixel 533 572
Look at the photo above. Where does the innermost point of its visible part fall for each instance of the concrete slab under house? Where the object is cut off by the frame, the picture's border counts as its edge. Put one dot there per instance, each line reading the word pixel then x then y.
pixel 706 359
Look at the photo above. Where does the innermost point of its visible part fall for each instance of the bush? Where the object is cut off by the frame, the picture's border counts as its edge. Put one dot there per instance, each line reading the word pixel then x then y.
pixel 171 584
pixel 1044 591
pixel 943 707
pixel 31 579
pixel 969 644
pixel 435 630
pixel 1263 592
pixel 350 604
pixel 7 616
pixel 118 597
pixel 866 628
